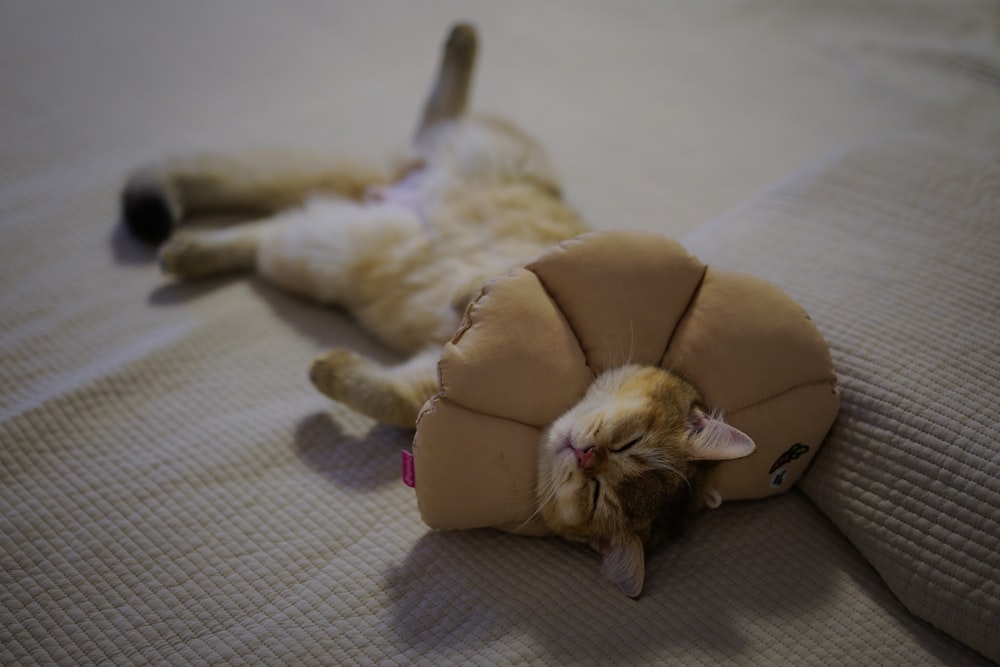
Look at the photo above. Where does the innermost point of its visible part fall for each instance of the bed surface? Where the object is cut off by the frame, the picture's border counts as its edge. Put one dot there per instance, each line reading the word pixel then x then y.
pixel 171 487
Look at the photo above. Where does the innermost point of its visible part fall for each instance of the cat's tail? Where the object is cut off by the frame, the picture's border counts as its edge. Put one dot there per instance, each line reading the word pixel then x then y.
pixel 450 93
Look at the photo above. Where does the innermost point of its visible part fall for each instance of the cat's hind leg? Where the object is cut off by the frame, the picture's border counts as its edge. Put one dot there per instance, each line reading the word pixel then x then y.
pixel 390 394
pixel 159 196
pixel 317 250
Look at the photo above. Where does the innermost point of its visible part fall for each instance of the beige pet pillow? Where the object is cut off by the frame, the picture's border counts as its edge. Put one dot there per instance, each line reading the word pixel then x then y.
pixel 533 341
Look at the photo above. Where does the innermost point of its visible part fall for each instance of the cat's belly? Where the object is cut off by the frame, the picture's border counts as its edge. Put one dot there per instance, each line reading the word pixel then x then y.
pixel 407 192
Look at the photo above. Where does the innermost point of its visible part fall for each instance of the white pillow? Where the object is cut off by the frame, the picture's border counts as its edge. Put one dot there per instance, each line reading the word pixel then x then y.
pixel 894 249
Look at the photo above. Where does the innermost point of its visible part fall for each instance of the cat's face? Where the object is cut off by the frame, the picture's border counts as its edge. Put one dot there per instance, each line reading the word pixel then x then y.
pixel 625 459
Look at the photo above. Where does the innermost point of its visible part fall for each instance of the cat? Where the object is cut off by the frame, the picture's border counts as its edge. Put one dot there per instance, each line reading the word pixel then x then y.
pixel 623 469
pixel 402 246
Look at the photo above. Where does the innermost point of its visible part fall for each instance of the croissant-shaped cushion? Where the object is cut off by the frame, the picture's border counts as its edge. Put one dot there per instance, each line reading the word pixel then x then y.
pixel 533 341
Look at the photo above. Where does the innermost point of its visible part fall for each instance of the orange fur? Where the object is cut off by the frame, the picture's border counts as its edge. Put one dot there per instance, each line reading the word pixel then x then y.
pixel 622 469
pixel 404 247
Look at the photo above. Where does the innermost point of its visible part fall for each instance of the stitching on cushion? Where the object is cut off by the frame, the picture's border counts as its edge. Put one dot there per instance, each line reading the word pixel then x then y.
pixel 809 383
pixel 687 311
pixel 565 319
pixel 464 326
pixel 443 397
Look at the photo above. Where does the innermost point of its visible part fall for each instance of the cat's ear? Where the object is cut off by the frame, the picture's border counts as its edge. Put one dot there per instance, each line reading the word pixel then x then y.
pixel 624 563
pixel 712 439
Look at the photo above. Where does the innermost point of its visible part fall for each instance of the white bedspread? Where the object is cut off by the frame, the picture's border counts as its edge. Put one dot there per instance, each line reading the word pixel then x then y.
pixel 171 487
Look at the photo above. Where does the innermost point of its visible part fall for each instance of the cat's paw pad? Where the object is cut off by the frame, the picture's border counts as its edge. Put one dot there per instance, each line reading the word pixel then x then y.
pixel 331 372
pixel 148 209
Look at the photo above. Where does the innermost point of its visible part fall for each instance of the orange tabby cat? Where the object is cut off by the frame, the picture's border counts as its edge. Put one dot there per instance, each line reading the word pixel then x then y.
pixel 623 468
pixel 403 247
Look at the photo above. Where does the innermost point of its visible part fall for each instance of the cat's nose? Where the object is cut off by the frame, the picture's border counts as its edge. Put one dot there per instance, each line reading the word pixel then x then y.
pixel 584 456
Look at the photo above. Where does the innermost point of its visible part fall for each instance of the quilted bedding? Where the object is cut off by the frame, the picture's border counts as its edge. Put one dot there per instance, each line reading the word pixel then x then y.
pixel 911 473
pixel 173 491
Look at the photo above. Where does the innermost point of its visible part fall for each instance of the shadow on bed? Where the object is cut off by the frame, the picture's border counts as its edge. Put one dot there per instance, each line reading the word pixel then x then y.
pixel 175 292
pixel 463 588
pixel 326 326
pixel 362 463
pixel 128 250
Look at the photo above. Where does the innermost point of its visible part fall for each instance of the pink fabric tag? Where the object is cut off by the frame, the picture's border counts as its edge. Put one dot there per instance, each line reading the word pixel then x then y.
pixel 409 476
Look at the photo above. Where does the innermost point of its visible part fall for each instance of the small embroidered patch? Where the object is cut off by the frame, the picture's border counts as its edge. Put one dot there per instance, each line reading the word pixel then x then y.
pixel 409 476
pixel 794 452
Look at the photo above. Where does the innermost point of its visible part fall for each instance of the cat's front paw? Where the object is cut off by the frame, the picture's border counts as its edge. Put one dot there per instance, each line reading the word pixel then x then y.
pixel 185 256
pixel 206 254
pixel 333 372
pixel 193 255
pixel 149 208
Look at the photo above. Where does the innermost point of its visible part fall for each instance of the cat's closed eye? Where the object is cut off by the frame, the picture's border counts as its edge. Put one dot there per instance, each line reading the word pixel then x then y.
pixel 628 445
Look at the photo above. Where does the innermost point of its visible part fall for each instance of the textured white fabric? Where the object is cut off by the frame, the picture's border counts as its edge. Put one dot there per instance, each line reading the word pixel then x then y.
pixel 171 488
pixel 905 283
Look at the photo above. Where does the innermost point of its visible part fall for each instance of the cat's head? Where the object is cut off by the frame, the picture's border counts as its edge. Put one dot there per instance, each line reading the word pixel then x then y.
pixel 624 463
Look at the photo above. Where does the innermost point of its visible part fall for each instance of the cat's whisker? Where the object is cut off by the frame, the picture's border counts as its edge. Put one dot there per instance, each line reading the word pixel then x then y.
pixel 534 516
pixel 660 460
pixel 681 475
pixel 631 348
pixel 540 498
pixel 617 356
pixel 533 498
